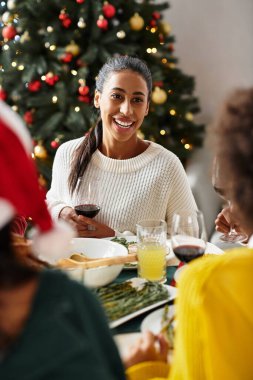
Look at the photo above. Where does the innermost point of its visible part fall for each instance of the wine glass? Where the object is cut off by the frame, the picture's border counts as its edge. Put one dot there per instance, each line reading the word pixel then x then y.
pixel 87 198
pixel 188 235
pixel 218 182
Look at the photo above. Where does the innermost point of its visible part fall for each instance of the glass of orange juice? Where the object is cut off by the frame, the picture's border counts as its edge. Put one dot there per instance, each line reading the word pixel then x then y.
pixel 151 249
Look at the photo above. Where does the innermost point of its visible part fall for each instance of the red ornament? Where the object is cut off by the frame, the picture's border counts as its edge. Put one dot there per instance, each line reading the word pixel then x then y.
pixel 66 22
pixel 3 94
pixel 63 15
pixel 34 86
pixel 171 47
pixel 80 1
pixel 102 23
pixel 28 117
pixel 9 32
pixel 51 79
pixel 158 83
pixel 109 10
pixel 84 99
pixel 152 23
pixel 66 58
pixel 156 15
pixel 83 90
pixel 54 144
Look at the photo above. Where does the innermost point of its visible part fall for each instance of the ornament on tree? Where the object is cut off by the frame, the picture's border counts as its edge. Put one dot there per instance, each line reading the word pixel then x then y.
pixel 121 34
pixel 83 90
pixel 66 58
pixel 73 48
pixel 165 27
pixel 11 4
pixel 40 151
pixel 159 96
pixel 28 117
pixel 152 23
pixel 7 17
pixel 55 144
pixel 25 37
pixel 80 1
pixel 34 86
pixel 136 22
pixel 156 15
pixel 9 32
pixel 171 47
pixel 65 19
pixel 102 23
pixel 3 94
pixel 51 79
pixel 108 10
pixel 84 99
pixel 81 23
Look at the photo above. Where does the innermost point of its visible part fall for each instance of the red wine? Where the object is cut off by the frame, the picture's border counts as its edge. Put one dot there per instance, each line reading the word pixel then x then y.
pixel 88 210
pixel 188 253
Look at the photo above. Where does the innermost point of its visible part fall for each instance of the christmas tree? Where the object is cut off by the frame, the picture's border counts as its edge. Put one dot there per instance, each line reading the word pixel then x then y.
pixel 52 50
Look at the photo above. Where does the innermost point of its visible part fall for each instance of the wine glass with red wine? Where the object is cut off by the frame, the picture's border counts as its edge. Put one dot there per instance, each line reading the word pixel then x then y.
pixel 87 197
pixel 188 235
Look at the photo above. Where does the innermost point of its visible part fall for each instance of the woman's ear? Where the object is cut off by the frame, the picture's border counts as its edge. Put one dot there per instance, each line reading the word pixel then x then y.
pixel 97 99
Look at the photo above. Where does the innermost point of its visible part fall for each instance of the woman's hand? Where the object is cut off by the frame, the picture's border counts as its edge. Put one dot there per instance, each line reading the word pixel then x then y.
pixel 226 220
pixel 148 348
pixel 85 227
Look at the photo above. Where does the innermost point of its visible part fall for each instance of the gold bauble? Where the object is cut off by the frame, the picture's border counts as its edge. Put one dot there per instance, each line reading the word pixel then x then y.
pixel 40 151
pixel 73 48
pixel 136 22
pixel 165 26
pixel 159 96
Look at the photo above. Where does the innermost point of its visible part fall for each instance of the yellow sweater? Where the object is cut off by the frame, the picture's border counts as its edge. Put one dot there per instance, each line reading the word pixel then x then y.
pixel 214 311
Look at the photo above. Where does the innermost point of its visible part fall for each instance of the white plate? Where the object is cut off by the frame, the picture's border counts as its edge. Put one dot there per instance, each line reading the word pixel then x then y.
pixel 153 321
pixel 137 282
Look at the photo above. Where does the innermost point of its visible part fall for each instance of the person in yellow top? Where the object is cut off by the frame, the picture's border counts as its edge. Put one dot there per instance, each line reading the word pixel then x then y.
pixel 214 312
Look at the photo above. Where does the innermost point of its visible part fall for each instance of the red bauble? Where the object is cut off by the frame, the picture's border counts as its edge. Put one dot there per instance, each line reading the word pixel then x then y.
pixel 9 32
pixel 84 99
pixel 80 1
pixel 156 15
pixel 102 23
pixel 171 47
pixel 34 86
pixel 152 23
pixel 3 94
pixel 51 79
pixel 28 117
pixel 54 144
pixel 109 10
pixel 63 15
pixel 66 22
pixel 158 83
pixel 67 57
pixel 83 90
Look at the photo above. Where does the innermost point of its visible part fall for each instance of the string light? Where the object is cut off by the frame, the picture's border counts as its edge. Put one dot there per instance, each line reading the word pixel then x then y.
pixel 52 47
pixel 13 64
pixel 164 60
pixel 188 146
pixel 162 132
pixel 21 67
pixel 47 45
pixel 73 72
pixel 54 99
pixel 172 112
pixel 153 30
pixel 15 108
pixel 149 50
pixel 50 29
pixel 43 77
pixel 121 34
pixel 77 109
pixel 189 116
pixel 5 47
pixel 154 50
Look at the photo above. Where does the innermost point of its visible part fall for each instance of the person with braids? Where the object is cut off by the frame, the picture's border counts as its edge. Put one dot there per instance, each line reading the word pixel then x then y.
pixel 50 326
pixel 139 179
pixel 214 312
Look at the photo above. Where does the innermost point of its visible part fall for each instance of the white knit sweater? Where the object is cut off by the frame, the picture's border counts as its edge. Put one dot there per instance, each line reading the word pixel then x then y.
pixel 152 185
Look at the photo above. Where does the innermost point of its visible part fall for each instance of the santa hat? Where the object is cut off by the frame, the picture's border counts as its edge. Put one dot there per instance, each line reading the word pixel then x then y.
pixel 20 192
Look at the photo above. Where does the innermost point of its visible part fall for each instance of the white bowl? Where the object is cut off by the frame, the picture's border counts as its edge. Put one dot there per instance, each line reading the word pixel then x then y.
pixel 98 248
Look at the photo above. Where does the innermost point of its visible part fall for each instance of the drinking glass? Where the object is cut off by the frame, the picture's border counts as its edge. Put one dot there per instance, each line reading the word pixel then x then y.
pixel 218 183
pixel 87 198
pixel 188 235
pixel 151 249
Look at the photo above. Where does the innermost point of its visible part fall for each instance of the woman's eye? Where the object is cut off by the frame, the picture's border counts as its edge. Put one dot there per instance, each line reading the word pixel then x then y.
pixel 116 96
pixel 137 100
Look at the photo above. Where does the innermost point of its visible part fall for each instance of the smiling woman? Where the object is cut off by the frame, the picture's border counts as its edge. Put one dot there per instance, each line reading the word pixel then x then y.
pixel 138 179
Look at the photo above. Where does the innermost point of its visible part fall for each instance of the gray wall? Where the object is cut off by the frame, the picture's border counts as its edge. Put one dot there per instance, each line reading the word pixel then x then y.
pixel 214 42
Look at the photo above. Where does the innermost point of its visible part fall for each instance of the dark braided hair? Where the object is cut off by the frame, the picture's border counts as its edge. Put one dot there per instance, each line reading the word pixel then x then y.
pixel 82 155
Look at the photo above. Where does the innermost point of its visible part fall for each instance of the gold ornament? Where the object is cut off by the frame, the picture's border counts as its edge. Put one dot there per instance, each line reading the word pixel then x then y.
pixel 159 96
pixel 72 48
pixel 136 22
pixel 40 151
pixel 165 26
